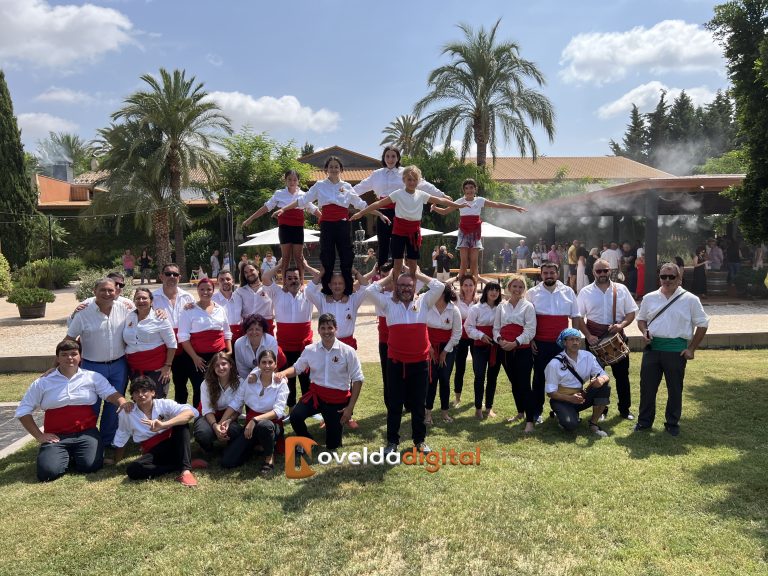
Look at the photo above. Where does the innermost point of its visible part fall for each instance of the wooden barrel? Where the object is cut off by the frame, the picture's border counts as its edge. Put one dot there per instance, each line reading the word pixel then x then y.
pixel 717 283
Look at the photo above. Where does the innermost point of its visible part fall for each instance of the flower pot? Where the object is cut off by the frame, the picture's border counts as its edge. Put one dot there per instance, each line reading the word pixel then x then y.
pixel 34 311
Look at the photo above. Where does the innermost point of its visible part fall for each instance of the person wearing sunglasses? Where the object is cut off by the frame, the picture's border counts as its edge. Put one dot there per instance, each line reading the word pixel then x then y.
pixel 673 324
pixel 607 308
pixel 119 281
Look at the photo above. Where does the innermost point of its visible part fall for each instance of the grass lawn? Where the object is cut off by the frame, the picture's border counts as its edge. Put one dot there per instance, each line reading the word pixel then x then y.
pixel 551 504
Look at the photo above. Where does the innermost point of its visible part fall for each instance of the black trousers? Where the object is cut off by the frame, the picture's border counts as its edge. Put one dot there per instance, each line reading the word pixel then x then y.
pixel 179 376
pixel 464 347
pixel 621 380
pixel 383 234
pixel 568 414
pixel 291 358
pixel 188 371
pixel 407 383
pixel 518 364
pixel 336 236
pixel 331 416
pixel 654 365
pixel 240 448
pixel 383 351
pixel 441 375
pixel 84 448
pixel 205 437
pixel 171 455
pixel 486 374
pixel 546 351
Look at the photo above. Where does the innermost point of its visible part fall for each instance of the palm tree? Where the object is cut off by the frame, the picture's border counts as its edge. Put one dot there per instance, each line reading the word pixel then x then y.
pixel 405 133
pixel 485 91
pixel 64 147
pixel 178 109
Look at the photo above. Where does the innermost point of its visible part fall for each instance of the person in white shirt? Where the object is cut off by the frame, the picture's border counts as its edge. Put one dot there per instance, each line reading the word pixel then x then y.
pixel 444 330
pixel 479 327
pixel 610 255
pixel 336 379
pixel 406 231
pixel 467 297
pixel 217 391
pixel 254 298
pixel 290 223
pixel 667 320
pixel 255 340
pixel 565 389
pixel 67 395
pixel 514 326
pixel 228 298
pixel 215 264
pixel 264 395
pixel 607 308
pixel 383 182
pixel 100 329
pixel 161 427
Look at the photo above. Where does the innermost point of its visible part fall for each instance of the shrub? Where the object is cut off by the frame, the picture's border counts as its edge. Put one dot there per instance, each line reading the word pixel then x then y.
pixel 88 279
pixel 52 274
pixel 5 276
pixel 199 246
pixel 751 282
pixel 23 296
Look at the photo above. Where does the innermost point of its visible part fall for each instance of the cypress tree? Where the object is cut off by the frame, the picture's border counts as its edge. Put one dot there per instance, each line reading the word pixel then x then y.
pixel 17 199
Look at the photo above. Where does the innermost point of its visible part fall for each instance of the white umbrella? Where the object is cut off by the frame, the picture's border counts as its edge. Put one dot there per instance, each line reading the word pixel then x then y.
pixel 488 230
pixel 270 237
pixel 424 232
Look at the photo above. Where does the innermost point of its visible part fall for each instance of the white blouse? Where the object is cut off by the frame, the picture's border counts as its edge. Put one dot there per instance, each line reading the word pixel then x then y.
pixel 147 334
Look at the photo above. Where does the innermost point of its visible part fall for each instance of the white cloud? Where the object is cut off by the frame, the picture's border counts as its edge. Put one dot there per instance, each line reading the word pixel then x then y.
pixel 65 96
pixel 604 57
pixel 36 126
pixel 456 145
pixel 267 113
pixel 34 31
pixel 646 96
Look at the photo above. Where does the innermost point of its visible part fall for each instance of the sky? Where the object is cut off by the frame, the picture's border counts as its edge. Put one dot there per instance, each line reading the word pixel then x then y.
pixel 337 72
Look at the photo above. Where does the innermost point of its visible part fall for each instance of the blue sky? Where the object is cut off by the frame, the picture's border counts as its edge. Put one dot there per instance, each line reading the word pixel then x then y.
pixel 337 72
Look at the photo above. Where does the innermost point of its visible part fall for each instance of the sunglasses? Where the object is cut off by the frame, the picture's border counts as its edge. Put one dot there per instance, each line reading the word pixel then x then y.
pixel 667 276
pixel 120 285
pixel 603 271
pixel 169 274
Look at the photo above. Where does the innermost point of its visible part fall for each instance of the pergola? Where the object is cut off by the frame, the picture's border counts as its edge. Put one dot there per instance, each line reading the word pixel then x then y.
pixel 651 198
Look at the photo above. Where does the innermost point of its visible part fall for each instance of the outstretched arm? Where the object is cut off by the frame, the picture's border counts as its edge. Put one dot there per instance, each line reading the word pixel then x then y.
pixel 383 203
pixel 442 211
pixel 492 204
pixel 445 200
pixel 260 212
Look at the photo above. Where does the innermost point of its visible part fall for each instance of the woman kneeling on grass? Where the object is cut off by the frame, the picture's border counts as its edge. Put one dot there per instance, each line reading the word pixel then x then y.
pixel 161 427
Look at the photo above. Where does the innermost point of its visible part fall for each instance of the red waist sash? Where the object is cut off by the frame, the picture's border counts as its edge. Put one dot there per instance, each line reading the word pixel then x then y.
pixel 294 336
pixel 488 331
pixel 548 327
pixel 179 349
pixel 383 330
pixel 270 326
pixel 251 414
pixel 411 229
pixel 327 395
pixel 281 359
pixel 470 226
pixel 150 443
pixel 512 331
pixel 334 213
pixel 408 343
pixel 69 419
pixel 207 341
pixel 147 360
pixel 292 217
pixel 237 331
pixel 349 341
pixel 438 336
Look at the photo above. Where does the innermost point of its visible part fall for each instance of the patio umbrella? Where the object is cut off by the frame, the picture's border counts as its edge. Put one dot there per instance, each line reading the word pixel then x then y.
pixel 424 232
pixel 488 230
pixel 270 237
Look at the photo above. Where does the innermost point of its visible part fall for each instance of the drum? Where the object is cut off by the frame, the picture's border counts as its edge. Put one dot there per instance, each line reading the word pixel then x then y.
pixel 610 349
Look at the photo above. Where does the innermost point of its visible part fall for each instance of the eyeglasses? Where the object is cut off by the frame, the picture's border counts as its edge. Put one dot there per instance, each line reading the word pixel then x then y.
pixel 120 285
pixel 602 271
pixel 667 276
pixel 169 274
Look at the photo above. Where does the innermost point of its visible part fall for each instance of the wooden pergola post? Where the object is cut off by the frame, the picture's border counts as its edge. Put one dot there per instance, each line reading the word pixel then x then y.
pixel 651 239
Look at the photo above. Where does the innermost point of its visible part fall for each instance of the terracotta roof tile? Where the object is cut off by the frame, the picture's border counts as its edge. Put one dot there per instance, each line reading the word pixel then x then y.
pixel 515 169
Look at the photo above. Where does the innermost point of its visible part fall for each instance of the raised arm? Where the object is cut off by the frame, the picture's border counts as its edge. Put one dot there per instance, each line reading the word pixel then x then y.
pixel 266 277
pixel 504 205
pixel 383 203
pixel 259 213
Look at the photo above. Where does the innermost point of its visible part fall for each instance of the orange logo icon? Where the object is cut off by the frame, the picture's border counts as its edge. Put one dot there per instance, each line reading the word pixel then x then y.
pixel 305 469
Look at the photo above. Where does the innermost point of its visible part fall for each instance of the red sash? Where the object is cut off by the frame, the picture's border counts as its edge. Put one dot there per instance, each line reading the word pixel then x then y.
pixel 488 331
pixel 470 226
pixel 408 343
pixel 411 229
pixel 237 331
pixel 294 336
pixel 179 348
pixel 383 330
pixel 334 213
pixel 293 217
pixel 147 360
pixel 270 326
pixel 327 395
pixel 349 341
pixel 251 414
pixel 512 331
pixel 438 336
pixel 548 327
pixel 69 419
pixel 207 341
pixel 150 443
pixel 281 359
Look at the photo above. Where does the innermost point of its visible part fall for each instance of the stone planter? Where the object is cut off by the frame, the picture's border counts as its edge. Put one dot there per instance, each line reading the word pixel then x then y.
pixel 34 311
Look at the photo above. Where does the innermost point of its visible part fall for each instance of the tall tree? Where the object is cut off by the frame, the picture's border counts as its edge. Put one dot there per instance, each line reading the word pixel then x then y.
pixel 658 131
pixel 179 108
pixel 635 142
pixel 405 133
pixel 484 91
pixel 17 199
pixel 719 125
pixel 741 26
pixel 64 147
pixel 307 149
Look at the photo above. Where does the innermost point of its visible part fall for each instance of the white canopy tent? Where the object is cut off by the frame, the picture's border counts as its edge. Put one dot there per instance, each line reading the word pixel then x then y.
pixel 270 237
pixel 424 232
pixel 488 230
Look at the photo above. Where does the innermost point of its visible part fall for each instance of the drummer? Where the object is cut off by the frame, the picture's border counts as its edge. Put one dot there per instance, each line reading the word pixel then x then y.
pixel 607 308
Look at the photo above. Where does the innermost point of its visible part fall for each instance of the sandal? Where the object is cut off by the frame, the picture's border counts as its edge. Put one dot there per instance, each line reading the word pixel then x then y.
pixel 519 417
pixel 447 417
pixel 267 469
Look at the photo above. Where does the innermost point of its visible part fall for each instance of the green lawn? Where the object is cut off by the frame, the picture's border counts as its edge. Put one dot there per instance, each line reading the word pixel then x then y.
pixel 630 504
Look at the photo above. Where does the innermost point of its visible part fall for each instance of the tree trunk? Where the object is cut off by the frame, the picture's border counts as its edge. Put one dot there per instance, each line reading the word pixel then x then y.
pixel 181 255
pixel 162 244
pixel 481 142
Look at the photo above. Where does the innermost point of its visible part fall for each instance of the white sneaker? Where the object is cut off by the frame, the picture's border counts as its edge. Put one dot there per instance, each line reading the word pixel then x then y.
pixel 599 432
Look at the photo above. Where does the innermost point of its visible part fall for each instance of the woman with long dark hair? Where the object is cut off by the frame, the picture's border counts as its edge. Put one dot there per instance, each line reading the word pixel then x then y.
pixel 479 327
pixel 467 298
pixel 217 391
pixel 444 329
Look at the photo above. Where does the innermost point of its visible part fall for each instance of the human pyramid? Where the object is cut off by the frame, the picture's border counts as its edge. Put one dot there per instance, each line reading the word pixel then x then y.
pixel 244 348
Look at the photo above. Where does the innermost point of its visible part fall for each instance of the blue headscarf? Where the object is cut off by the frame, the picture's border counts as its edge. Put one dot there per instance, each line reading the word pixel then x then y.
pixel 567 333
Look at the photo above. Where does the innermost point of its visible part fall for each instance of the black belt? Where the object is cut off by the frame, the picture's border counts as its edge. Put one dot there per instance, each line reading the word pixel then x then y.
pixel 107 362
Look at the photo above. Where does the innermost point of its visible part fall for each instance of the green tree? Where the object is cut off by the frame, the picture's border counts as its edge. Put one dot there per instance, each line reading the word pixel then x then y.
pixel 307 149
pixel 17 198
pixel 741 27
pixel 635 142
pixel 732 162
pixel 64 147
pixel 486 97
pixel 719 125
pixel 658 131
pixel 190 123
pixel 404 132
